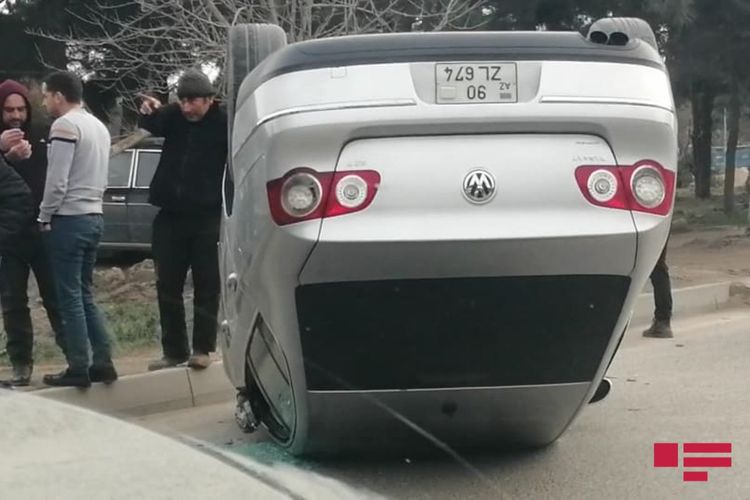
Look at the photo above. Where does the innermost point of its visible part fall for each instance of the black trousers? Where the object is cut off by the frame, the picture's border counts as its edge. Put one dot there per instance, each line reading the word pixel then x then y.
pixel 662 288
pixel 27 255
pixel 181 242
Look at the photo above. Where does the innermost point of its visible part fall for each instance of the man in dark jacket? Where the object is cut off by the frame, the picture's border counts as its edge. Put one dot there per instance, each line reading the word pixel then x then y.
pixel 16 207
pixel 187 188
pixel 26 253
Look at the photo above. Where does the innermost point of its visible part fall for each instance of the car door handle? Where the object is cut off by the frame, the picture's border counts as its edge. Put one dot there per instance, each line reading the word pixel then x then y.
pixel 118 198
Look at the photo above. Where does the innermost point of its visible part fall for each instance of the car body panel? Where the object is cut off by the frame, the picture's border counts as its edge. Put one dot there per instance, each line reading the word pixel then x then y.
pixel 537 224
pixel 85 454
pixel 115 202
pixel 141 213
pixel 128 216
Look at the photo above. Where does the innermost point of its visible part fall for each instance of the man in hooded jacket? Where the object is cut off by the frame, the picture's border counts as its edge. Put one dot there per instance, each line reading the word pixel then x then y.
pixel 25 252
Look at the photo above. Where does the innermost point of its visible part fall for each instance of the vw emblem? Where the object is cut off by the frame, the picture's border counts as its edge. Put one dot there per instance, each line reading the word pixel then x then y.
pixel 479 186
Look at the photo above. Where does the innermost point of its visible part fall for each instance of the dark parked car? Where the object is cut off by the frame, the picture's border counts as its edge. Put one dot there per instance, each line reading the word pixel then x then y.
pixel 127 214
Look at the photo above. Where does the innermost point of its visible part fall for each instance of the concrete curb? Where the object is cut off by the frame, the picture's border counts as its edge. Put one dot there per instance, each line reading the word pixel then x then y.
pixel 149 393
pixel 181 387
pixel 689 301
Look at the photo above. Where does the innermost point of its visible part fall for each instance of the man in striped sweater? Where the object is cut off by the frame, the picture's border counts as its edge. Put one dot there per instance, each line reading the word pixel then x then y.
pixel 70 219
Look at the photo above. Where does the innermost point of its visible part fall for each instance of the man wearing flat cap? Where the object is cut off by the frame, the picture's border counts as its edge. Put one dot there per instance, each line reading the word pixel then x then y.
pixel 187 189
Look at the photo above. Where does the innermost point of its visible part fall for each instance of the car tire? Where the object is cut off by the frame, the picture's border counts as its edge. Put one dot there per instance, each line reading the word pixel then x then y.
pixel 248 46
pixel 261 408
pixel 634 28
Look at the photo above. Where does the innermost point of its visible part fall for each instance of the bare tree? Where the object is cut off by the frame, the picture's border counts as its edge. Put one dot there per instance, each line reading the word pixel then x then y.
pixel 140 45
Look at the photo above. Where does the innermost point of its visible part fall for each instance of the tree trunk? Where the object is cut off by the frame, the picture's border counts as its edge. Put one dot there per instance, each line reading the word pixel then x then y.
pixel 733 137
pixel 116 118
pixel 703 106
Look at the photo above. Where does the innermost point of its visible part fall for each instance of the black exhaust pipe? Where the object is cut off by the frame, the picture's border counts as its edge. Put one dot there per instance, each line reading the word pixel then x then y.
pixel 599 37
pixel 619 39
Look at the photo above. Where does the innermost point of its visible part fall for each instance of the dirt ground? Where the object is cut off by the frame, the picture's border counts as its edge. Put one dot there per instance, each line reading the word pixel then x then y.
pixel 127 294
pixel 709 256
pixel 712 256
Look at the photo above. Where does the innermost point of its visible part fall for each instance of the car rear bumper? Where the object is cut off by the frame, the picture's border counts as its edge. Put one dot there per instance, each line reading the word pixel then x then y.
pixel 469 362
pixel 451 333
pixel 432 419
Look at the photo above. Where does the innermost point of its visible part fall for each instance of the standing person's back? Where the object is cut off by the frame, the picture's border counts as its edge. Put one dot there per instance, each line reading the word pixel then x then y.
pixel 80 190
pixel 71 219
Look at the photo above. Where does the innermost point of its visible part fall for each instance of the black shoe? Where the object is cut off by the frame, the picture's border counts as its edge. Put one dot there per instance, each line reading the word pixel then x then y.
pixel 21 376
pixel 68 378
pixel 659 329
pixel 105 374
pixel 602 391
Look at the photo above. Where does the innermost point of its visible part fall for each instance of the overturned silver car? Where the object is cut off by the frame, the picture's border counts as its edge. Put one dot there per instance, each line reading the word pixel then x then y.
pixel 438 236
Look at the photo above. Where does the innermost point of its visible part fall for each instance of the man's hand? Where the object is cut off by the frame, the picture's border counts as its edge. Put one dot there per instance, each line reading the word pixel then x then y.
pixel 149 104
pixel 10 138
pixel 45 227
pixel 21 151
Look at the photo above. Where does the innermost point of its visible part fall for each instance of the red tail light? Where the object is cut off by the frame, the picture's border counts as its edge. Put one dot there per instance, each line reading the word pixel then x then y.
pixel 304 194
pixel 644 187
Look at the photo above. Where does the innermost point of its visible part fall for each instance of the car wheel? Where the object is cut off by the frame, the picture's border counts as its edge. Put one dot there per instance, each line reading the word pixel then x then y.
pixel 610 30
pixel 261 409
pixel 249 44
pixel 270 396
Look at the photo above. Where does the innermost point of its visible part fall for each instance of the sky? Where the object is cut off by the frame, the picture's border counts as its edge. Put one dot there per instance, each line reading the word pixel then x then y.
pixel 4 5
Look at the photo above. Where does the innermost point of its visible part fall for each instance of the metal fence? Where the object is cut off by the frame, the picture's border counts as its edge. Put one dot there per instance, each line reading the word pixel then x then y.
pixel 718 158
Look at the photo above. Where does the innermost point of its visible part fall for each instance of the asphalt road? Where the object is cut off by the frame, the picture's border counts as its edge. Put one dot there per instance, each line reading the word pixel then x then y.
pixel 694 388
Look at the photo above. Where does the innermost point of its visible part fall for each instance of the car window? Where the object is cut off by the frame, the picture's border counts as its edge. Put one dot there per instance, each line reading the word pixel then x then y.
pixel 119 169
pixel 147 163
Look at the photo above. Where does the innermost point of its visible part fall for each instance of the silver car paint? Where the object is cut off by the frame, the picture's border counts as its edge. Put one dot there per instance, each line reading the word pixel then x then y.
pixel 539 223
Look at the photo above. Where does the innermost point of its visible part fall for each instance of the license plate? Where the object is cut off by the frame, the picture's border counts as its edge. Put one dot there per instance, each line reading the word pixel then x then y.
pixel 462 83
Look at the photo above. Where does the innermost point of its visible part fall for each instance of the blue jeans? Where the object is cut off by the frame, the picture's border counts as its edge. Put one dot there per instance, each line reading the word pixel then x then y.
pixel 72 245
